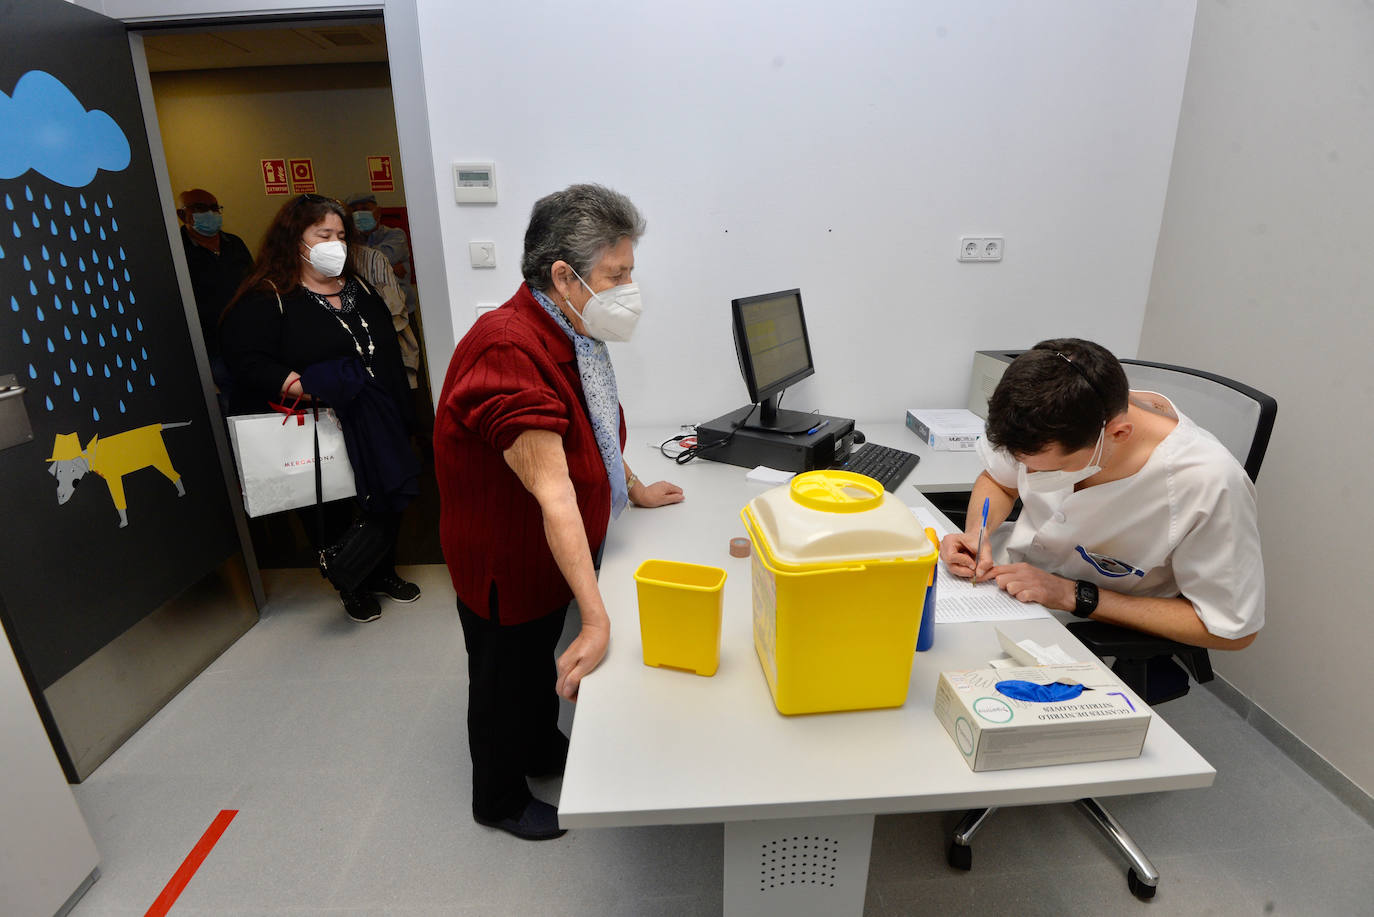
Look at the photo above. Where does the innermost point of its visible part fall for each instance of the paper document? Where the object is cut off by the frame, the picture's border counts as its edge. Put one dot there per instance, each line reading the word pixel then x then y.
pixel 958 601
pixel 765 475
pixel 928 520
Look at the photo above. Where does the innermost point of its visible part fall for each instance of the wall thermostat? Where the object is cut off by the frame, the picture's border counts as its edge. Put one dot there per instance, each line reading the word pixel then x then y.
pixel 474 182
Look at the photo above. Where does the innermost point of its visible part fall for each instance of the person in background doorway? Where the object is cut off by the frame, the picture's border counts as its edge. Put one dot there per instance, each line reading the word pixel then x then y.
pixel 305 327
pixel 528 454
pixel 372 265
pixel 218 262
pixel 366 217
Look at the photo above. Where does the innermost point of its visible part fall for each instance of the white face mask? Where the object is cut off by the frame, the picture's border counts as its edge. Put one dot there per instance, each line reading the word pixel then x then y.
pixel 610 315
pixel 1048 482
pixel 328 258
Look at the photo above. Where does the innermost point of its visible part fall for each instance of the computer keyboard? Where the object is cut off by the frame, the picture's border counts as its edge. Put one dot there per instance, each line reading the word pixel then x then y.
pixel 884 464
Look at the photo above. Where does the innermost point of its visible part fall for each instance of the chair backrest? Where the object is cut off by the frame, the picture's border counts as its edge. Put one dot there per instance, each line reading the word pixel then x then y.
pixel 1241 417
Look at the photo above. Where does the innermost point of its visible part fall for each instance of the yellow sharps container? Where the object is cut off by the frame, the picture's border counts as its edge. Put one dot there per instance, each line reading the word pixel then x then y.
pixel 839 579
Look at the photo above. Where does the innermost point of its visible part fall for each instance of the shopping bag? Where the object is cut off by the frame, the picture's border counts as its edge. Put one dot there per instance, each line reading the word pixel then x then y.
pixel 275 455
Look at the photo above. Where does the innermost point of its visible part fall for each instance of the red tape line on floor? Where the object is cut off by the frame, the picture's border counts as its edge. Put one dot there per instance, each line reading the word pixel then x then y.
pixel 198 853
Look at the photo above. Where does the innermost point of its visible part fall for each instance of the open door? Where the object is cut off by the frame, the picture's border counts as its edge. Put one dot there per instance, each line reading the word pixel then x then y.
pixel 122 572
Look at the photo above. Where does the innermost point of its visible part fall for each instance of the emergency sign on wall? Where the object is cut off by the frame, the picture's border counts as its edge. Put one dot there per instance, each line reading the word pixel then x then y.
pixel 379 174
pixel 302 176
pixel 274 176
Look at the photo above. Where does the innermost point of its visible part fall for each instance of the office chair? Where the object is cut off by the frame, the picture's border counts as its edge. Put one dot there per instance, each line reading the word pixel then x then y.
pixel 1242 418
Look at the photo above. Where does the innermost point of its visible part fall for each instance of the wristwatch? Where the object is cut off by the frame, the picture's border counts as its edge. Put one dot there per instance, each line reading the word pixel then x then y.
pixel 1084 598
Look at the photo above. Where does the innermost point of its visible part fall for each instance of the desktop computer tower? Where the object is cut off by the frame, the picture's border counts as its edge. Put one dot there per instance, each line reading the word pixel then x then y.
pixel 724 440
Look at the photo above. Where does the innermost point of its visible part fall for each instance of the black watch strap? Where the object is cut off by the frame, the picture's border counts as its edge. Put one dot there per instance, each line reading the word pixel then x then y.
pixel 1084 598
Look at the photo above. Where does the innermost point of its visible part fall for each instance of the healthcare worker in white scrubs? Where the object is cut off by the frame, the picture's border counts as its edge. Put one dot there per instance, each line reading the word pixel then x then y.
pixel 1132 514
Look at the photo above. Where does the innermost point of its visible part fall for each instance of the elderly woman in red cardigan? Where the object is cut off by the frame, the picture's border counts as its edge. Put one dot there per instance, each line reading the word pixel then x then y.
pixel 528 444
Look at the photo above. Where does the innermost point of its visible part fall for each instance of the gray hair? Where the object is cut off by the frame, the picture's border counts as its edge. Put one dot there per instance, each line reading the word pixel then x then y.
pixel 576 225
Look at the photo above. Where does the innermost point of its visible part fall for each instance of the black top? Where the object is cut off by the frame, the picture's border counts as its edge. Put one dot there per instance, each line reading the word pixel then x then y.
pixel 215 279
pixel 263 344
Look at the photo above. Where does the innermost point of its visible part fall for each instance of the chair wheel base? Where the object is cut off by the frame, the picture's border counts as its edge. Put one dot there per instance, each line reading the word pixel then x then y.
pixel 1138 888
pixel 960 856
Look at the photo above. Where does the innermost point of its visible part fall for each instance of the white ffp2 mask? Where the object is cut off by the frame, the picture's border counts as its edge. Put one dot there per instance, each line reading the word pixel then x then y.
pixel 1048 482
pixel 610 315
pixel 328 258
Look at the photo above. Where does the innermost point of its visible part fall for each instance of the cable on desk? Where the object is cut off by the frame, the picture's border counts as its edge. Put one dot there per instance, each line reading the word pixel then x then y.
pixel 691 452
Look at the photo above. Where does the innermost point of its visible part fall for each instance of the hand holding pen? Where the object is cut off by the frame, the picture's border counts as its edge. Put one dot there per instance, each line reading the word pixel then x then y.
pixel 963 552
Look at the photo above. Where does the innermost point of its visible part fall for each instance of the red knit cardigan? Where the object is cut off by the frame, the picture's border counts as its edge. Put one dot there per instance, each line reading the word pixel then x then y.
pixel 515 370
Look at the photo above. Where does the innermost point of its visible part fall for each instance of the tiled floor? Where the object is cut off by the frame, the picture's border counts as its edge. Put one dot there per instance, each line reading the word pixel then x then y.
pixel 343 748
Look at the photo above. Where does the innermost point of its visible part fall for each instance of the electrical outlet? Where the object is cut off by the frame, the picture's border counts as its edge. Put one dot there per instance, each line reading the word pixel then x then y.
pixel 484 307
pixel 981 248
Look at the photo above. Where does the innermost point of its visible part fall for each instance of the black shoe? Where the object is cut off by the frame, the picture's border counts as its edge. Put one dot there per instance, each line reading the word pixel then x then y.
pixel 554 759
pixel 538 822
pixel 361 606
pixel 394 588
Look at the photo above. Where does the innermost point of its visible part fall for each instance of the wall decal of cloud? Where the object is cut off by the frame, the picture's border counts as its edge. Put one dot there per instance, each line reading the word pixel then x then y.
pixel 45 128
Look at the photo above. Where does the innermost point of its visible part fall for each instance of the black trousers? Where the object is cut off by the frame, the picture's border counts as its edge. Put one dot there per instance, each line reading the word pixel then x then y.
pixel 512 705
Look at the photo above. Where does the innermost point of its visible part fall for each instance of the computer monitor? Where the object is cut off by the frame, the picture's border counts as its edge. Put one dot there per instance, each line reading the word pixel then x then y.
pixel 774 352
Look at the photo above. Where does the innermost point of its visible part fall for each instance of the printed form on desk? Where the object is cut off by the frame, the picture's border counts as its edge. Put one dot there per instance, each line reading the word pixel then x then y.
pixel 958 601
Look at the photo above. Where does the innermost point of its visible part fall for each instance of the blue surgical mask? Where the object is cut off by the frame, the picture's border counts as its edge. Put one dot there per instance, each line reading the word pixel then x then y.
pixel 364 220
pixel 207 224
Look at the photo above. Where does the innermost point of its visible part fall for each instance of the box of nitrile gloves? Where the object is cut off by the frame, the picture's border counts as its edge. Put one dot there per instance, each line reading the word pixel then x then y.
pixel 946 430
pixel 996 728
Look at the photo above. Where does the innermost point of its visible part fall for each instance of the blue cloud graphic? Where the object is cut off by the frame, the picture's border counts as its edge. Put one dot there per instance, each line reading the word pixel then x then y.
pixel 45 128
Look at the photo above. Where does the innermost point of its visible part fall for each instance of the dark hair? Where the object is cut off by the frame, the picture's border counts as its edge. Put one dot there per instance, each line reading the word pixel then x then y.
pixel 1059 392
pixel 576 225
pixel 278 265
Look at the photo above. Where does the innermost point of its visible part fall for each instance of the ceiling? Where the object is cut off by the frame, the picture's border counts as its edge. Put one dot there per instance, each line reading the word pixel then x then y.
pixel 318 43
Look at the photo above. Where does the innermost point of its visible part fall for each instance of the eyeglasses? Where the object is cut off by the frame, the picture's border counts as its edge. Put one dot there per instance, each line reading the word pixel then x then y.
pixel 204 208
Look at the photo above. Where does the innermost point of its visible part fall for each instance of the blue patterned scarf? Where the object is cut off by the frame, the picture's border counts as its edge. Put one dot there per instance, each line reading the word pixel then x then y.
pixel 603 400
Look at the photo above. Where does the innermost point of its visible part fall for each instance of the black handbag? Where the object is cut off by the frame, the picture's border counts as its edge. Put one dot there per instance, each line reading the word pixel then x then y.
pixel 348 562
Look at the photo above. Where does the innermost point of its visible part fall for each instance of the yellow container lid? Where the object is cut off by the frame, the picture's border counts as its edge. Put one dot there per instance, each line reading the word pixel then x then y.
pixel 835 517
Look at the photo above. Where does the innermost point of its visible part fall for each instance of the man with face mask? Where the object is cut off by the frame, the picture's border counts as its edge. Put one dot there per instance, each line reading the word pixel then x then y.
pixel 390 241
pixel 1132 514
pixel 218 261
pixel 528 442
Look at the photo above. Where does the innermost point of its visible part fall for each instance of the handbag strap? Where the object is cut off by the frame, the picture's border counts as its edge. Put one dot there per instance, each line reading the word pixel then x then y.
pixel 319 482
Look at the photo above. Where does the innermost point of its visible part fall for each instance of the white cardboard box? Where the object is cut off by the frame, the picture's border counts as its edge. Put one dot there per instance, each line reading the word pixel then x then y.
pixel 946 429
pixel 995 732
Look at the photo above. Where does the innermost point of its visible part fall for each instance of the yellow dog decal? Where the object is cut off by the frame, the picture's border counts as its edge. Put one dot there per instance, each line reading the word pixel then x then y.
pixel 112 459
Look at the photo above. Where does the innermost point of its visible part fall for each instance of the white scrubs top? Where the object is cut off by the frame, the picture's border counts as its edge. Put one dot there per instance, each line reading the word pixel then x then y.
pixel 1185 523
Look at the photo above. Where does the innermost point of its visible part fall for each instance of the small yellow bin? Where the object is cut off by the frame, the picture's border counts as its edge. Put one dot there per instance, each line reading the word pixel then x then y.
pixel 679 614
pixel 839 581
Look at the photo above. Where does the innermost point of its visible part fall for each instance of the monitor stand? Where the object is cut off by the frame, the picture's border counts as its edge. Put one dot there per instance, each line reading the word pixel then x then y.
pixel 771 418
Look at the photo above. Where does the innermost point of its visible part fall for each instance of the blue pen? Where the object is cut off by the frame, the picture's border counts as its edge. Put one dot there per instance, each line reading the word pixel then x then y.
pixel 820 426
pixel 981 531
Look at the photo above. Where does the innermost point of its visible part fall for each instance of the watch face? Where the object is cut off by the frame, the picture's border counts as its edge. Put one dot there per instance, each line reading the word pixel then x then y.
pixel 1085 598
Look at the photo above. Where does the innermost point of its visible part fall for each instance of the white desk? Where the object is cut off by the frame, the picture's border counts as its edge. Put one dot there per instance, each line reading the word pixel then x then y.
pixel 656 746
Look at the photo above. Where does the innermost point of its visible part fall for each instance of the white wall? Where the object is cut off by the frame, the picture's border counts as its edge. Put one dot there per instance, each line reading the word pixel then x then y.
pixel 779 144
pixel 1264 273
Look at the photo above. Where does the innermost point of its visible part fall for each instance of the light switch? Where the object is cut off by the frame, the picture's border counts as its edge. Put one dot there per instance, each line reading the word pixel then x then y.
pixel 482 254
